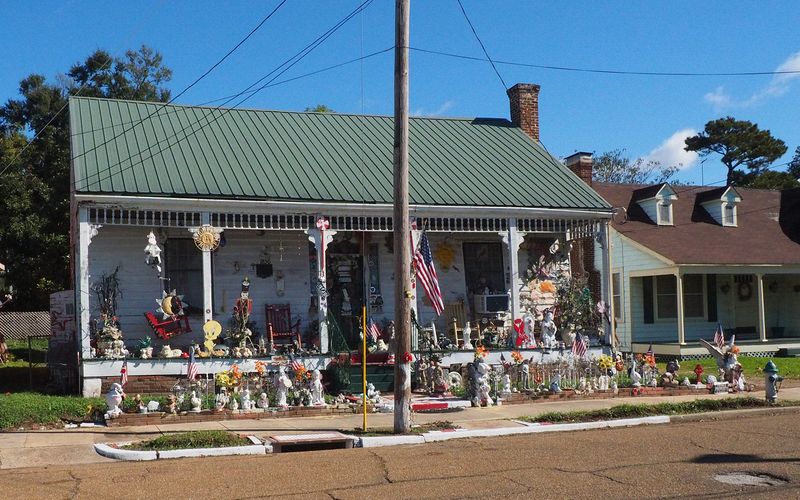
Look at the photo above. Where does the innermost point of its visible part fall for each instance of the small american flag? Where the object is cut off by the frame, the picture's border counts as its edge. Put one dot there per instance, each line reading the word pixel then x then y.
pixel 123 374
pixel 649 351
pixel 719 336
pixel 579 347
pixel 191 372
pixel 426 274
pixel 374 331
pixel 297 366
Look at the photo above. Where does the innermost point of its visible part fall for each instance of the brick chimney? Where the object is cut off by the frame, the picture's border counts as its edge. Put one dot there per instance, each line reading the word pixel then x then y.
pixel 581 165
pixel 524 100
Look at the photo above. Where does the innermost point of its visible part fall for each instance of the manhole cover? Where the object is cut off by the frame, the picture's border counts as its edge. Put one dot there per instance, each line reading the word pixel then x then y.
pixel 749 479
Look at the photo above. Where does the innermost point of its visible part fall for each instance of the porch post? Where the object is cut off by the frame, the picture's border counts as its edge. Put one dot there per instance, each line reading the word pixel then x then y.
pixel 512 239
pixel 762 317
pixel 607 282
pixel 321 237
pixel 207 239
pixel 679 296
pixel 415 235
pixel 86 232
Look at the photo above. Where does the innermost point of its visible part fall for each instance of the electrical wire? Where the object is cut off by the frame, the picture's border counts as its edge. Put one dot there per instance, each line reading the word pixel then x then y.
pixel 605 71
pixel 485 52
pixel 289 63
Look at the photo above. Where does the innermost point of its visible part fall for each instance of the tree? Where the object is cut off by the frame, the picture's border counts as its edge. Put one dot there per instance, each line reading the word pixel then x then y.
pixel 319 108
pixel 613 166
pixel 768 179
pixel 740 142
pixel 794 166
pixel 34 208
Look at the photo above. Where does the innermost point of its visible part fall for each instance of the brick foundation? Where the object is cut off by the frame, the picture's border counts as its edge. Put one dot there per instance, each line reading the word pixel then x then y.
pixel 144 384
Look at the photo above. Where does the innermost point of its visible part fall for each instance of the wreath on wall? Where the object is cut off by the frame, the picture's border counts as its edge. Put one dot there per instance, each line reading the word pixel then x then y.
pixel 744 291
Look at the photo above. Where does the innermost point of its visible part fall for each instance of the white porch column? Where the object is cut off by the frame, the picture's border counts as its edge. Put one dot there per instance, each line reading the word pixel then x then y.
pixel 207 239
pixel 607 282
pixel 415 235
pixel 762 316
pixel 321 237
pixel 512 239
pixel 86 232
pixel 679 296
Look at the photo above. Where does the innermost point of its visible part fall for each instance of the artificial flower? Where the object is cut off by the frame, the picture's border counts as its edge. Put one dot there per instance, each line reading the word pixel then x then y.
pixel 547 286
pixel 481 352
pixel 408 357
pixel 516 356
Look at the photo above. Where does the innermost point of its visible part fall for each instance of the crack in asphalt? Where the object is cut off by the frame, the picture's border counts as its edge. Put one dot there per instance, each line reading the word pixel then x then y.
pixel 384 466
pixel 77 487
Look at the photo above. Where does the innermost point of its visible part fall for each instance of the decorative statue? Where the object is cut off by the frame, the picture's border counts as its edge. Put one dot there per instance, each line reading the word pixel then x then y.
pixel 139 404
pixel 440 383
pixel 373 395
pixel 670 378
pixel 555 382
pixel 114 399
pixel 282 383
pixel 381 346
pixel 466 342
pixel 317 392
pixel 725 356
pixel 685 382
pixel 581 385
pixel 422 374
pixel 636 377
pixel 771 382
pixel 529 323
pixel 172 405
pixel 614 387
pixel 485 398
pixel 548 330
pixel 221 399
pixel 152 406
pixel 739 383
pixel 711 380
pixel 153 252
pixel 603 382
pixel 263 401
pixel 234 404
pixel 246 403
pixel 526 375
pixel 506 385
pixel 196 402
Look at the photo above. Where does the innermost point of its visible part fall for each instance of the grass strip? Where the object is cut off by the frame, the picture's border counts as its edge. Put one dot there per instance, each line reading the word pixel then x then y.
pixel 649 410
pixel 194 439
pixel 417 429
pixel 23 409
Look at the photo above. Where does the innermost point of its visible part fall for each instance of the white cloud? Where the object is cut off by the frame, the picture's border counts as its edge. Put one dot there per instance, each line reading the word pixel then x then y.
pixel 778 86
pixel 671 153
pixel 441 110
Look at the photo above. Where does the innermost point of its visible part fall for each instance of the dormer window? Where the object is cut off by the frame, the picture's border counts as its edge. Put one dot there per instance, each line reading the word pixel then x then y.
pixel 664 213
pixel 720 204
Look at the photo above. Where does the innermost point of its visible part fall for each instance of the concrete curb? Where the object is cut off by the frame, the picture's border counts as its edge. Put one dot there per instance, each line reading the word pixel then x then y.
pixel 528 428
pixel 731 414
pixel 134 455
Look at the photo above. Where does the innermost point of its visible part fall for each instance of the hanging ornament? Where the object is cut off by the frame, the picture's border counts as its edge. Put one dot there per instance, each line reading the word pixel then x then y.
pixel 152 252
pixel 171 305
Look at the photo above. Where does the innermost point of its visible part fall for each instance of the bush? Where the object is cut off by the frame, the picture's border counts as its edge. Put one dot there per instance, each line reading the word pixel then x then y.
pixel 26 408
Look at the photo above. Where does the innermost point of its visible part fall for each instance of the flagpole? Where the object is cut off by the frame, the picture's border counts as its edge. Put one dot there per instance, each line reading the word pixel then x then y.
pixel 402 295
pixel 364 363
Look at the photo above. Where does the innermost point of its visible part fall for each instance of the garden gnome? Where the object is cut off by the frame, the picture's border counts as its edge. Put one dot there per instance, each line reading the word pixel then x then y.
pixel 114 399
pixel 317 394
pixel 283 383
pixel 771 382
pixel 548 330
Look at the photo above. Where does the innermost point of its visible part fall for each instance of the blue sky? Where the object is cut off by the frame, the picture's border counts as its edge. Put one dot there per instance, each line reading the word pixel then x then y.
pixel 648 116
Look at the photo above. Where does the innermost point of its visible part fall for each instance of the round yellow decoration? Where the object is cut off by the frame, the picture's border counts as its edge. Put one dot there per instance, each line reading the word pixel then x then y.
pixel 206 238
pixel 445 255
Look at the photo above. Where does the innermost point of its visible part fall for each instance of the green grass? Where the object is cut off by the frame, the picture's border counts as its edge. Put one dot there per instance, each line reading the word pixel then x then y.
pixel 194 439
pixel 789 368
pixel 15 374
pixel 26 409
pixel 646 410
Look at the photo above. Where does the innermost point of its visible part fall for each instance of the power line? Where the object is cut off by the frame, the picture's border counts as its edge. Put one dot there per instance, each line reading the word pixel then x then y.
pixel 485 52
pixel 605 71
pixel 289 63
pixel 230 97
pixel 197 80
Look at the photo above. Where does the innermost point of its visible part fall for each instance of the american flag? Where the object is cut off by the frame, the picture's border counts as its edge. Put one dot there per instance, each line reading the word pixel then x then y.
pixel 579 347
pixel 719 336
pixel 191 373
pixel 123 374
pixel 649 351
pixel 374 331
pixel 426 274
pixel 297 366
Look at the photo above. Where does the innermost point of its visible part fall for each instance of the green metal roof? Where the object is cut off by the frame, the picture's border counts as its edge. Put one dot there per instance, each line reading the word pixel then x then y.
pixel 201 152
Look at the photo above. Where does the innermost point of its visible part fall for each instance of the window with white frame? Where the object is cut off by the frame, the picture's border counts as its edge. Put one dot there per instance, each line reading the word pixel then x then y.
pixel 666 297
pixel 693 296
pixel 616 301
pixel 664 213
pixel 728 214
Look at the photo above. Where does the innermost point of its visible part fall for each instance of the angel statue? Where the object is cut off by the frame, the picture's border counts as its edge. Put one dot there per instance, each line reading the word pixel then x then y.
pixel 725 355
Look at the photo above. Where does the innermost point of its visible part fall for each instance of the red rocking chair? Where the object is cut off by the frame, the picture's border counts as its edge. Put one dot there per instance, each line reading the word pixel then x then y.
pixel 280 326
pixel 169 327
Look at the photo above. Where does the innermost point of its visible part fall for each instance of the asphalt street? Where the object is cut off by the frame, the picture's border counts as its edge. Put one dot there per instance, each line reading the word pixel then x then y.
pixel 663 461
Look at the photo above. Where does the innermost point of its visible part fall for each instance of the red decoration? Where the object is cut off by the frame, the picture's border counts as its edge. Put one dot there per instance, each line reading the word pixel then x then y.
pixel 408 357
pixel 698 370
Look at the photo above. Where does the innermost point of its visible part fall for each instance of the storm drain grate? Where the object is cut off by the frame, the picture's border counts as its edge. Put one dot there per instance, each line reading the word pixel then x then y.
pixel 749 479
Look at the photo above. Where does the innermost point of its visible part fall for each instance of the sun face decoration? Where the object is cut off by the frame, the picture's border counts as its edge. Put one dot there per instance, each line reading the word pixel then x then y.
pixel 207 238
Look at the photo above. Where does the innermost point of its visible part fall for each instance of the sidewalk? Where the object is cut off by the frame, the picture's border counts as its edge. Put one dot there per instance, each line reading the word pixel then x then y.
pixel 52 447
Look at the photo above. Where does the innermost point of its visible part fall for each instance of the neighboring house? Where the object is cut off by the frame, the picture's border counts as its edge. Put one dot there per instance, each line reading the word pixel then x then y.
pixel 490 197
pixel 686 258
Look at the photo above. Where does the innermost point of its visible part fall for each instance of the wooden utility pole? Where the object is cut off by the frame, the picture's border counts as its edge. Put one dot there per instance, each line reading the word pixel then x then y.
pixel 402 241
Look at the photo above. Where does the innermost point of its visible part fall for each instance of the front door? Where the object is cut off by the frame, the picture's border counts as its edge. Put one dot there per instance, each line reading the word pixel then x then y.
pixel 346 285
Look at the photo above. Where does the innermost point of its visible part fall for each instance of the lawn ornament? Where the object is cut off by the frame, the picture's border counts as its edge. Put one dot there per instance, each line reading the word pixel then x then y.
pixel 698 371
pixel 636 377
pixel 725 357
pixel 234 404
pixel 263 401
pixel 506 385
pixel 196 402
pixel 247 404
pixel 466 343
pixel 152 253
pixel 555 382
pixel 440 383
pixel 114 399
pixel 317 392
pixel 221 399
pixel 526 375
pixel 172 405
pixel 603 382
pixel 772 382
pixel 670 378
pixel 548 330
pixel 282 383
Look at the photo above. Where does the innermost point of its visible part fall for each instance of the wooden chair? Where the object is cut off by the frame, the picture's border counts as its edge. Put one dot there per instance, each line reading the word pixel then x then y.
pixel 456 317
pixel 169 327
pixel 280 326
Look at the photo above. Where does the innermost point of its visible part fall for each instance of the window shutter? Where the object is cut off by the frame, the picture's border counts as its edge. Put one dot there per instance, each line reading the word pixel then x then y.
pixel 711 295
pixel 647 298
